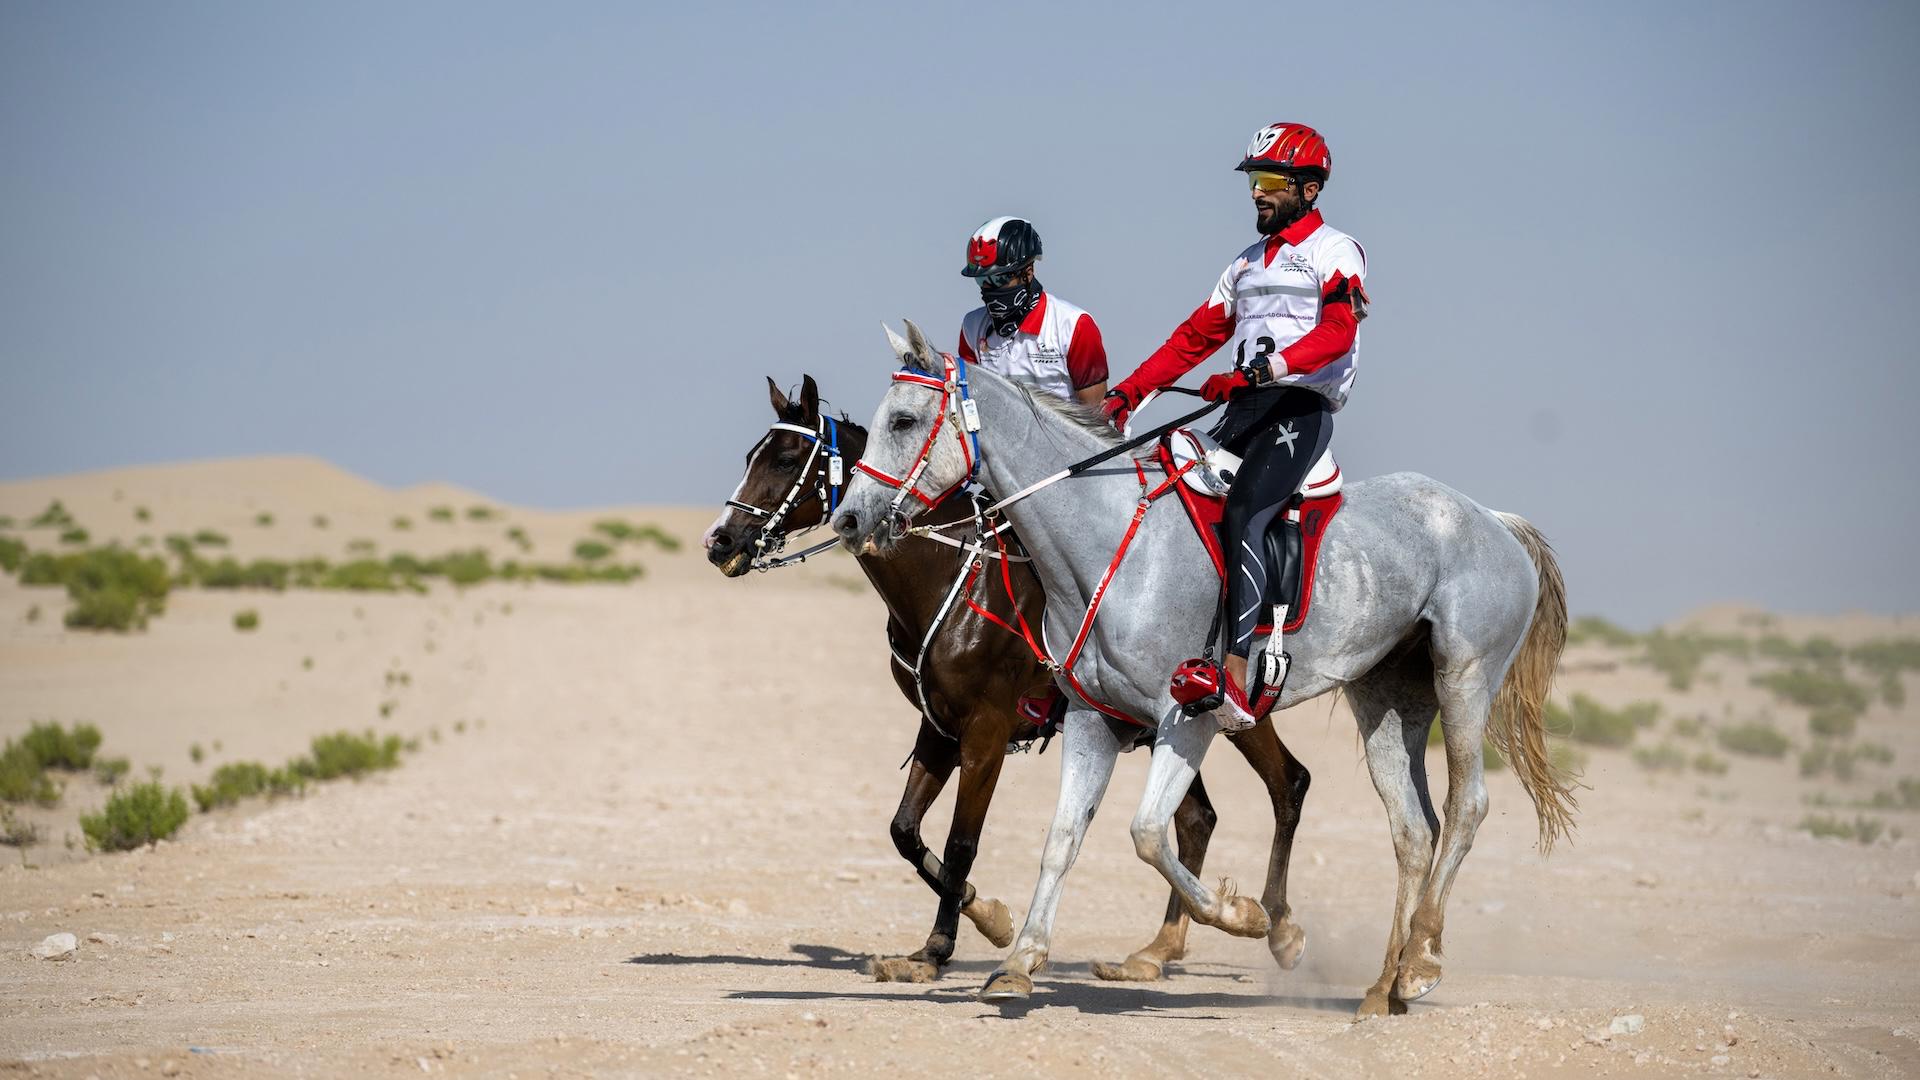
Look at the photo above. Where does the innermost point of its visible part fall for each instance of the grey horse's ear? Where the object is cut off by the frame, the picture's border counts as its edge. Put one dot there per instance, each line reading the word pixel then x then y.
pixel 925 356
pixel 902 351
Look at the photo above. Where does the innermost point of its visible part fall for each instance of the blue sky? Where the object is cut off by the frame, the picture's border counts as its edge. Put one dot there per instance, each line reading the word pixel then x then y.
pixel 1641 272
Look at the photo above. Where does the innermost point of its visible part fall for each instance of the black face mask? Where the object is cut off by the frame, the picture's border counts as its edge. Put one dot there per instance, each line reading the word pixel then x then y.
pixel 1008 307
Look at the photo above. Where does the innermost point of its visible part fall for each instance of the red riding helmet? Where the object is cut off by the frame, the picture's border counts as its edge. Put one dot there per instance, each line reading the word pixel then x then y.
pixel 1287 147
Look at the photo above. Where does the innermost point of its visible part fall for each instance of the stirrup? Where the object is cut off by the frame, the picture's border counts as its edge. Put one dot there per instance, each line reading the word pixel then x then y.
pixel 1196 686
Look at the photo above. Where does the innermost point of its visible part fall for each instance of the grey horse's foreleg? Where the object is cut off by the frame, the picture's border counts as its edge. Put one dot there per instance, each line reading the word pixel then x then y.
pixel 1179 747
pixel 1193 826
pixel 1090 748
pixel 1394 733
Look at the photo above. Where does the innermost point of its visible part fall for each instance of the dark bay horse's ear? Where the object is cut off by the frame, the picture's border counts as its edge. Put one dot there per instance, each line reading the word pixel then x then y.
pixel 809 397
pixel 925 357
pixel 779 399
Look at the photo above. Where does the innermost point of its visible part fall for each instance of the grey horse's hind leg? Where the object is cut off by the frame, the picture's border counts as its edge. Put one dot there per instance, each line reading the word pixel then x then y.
pixel 1179 746
pixel 1090 746
pixel 1395 705
pixel 1287 780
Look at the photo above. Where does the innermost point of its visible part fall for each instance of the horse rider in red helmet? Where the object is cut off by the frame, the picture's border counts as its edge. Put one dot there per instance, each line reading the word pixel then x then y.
pixel 1291 304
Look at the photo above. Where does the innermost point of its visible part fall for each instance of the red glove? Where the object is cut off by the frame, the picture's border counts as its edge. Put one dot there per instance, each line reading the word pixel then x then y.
pixel 1119 404
pixel 1221 387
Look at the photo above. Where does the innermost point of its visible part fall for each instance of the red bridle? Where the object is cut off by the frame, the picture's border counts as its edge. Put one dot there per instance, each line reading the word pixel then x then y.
pixel 966 430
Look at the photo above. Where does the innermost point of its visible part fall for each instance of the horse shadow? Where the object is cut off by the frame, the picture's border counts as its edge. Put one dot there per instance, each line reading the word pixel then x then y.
pixel 1068 986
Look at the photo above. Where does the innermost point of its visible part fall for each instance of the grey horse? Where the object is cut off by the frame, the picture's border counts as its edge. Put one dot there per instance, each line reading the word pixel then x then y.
pixel 1425 604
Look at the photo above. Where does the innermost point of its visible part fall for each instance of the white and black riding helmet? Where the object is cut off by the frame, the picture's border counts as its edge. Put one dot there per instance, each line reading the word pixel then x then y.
pixel 1000 249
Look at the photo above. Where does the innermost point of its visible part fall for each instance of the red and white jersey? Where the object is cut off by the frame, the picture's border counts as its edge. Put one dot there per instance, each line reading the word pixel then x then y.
pixel 1056 349
pixel 1295 298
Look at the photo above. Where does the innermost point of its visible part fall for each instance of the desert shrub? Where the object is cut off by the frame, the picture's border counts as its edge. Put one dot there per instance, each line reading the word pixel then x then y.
pixel 263 519
pixel 141 513
pixel 591 551
pixel 1825 757
pixel 74 535
pixel 17 833
pixel 1569 759
pixel 345 754
pixel 135 816
pixel 320 521
pixel 1892 690
pixel 614 529
pixel 360 575
pixel 520 539
pixel 246 619
pixel 1883 656
pixel 112 588
pixel 230 573
pixel 244 779
pixel 23 778
pixel 480 513
pixel 12 553
pixel 33 613
pixel 210 538
pixel 6 521
pixel 1877 753
pixel 108 770
pixel 1689 727
pixel 57 748
pixel 1679 656
pixel 1819 652
pixel 657 536
pixel 440 513
pixel 55 516
pixel 466 567
pixel 1813 689
pixel 402 523
pixel 1592 629
pixel 197 753
pixel 361 547
pixel 1863 829
pixel 1835 721
pixel 1756 739
pixel 1709 763
pixel 1663 758
pixel 1590 722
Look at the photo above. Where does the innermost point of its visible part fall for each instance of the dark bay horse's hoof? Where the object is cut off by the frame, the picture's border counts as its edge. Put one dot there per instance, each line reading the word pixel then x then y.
pixel 906 969
pixel 1004 986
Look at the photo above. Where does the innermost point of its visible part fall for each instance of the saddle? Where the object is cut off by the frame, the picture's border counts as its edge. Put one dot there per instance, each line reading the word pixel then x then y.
pixel 1293 541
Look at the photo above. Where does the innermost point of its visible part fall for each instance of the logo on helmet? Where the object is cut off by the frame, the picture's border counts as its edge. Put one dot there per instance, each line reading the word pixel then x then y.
pixel 982 250
pixel 1264 139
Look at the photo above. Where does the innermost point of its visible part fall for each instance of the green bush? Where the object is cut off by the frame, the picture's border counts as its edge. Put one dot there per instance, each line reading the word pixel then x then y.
pixel 1874 752
pixel 1689 727
pixel 1663 758
pixel 6 521
pixel 591 551
pixel 244 779
pixel 1834 721
pixel 1592 629
pixel 135 816
pixel 466 567
pixel 657 536
pixel 12 553
pixel 361 547
pixel 210 538
pixel 141 513
pixel 1712 765
pixel 480 513
pixel 23 778
pixel 614 529
pixel 320 521
pixel 403 523
pixel 1864 829
pixel 360 575
pixel 75 535
pixel 440 513
pixel 1884 657
pixel 112 588
pixel 17 833
pixel 108 771
pixel 1892 690
pixel 1824 757
pixel 247 619
pixel 263 519
pixel 1813 689
pixel 520 539
pixel 55 516
pixel 1756 739
pixel 1679 656
pixel 1588 721
pixel 230 573
pixel 346 754
pixel 57 748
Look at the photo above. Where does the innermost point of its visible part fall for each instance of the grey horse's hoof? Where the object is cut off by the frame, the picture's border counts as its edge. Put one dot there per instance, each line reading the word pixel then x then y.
pixel 1004 986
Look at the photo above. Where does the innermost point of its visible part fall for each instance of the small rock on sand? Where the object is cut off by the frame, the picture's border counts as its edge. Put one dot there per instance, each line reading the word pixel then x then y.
pixel 1630 1024
pixel 1719 1061
pixel 101 937
pixel 57 947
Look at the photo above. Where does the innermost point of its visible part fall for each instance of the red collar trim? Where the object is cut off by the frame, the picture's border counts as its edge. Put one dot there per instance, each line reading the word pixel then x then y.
pixel 1031 324
pixel 1293 234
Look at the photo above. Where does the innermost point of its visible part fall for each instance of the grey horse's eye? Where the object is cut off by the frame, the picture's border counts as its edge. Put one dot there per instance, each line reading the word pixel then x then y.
pixel 902 421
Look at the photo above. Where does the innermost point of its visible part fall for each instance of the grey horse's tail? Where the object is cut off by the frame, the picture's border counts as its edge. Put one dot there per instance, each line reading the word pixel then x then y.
pixel 1518 728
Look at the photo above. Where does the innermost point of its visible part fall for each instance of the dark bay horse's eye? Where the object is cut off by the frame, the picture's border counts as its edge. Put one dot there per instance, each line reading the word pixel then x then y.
pixel 787 462
pixel 902 421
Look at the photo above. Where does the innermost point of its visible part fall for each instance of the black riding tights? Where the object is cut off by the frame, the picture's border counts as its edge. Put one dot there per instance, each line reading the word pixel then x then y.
pixel 1279 436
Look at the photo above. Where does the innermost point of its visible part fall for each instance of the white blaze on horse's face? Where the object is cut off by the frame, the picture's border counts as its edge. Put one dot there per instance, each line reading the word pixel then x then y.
pixel 874 515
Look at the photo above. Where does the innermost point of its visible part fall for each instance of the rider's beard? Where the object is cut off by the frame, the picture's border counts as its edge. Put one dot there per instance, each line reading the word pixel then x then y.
pixel 1287 209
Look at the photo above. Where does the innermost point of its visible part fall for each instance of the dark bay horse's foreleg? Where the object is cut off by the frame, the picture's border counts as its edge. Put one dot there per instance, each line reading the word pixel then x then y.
pixel 981 756
pixel 1287 781
pixel 1193 828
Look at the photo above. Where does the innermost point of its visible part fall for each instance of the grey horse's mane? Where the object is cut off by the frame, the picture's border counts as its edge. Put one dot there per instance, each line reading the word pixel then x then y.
pixel 1085 417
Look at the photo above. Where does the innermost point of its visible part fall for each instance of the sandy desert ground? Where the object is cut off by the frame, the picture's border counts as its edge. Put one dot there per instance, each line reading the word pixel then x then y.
pixel 645 834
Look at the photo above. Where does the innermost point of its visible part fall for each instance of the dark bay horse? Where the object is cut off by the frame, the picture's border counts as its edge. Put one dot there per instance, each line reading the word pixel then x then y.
pixel 968 687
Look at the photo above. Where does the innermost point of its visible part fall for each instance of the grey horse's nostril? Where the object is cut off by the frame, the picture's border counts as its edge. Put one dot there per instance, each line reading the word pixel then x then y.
pixel 847 524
